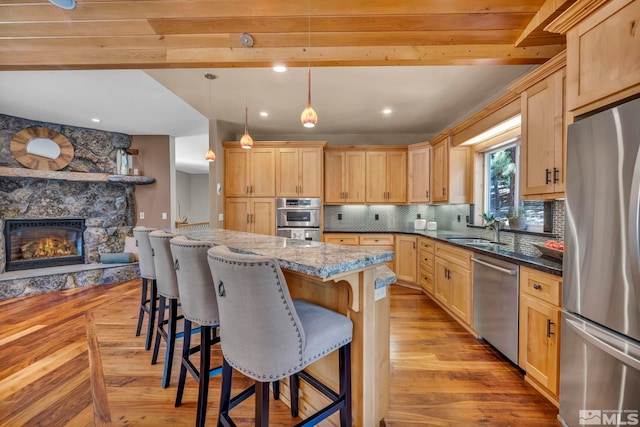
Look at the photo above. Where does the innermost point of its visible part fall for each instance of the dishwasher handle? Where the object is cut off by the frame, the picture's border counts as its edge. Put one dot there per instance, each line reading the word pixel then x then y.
pixel 495 267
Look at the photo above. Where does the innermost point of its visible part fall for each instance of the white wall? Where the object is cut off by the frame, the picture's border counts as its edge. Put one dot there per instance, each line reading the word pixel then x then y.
pixel 183 195
pixel 199 206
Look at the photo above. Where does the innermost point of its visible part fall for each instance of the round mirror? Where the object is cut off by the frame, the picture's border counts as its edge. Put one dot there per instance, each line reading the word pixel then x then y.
pixel 41 148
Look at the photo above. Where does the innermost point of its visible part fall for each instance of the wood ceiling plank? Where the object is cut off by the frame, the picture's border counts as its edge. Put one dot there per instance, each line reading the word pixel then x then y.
pixel 76 29
pixel 429 22
pixel 109 10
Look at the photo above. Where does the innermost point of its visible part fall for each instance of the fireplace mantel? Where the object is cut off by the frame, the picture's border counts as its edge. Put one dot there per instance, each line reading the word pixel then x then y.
pixel 73 176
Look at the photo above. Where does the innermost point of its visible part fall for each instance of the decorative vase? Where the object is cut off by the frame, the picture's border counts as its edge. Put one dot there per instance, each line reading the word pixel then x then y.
pixel 519 223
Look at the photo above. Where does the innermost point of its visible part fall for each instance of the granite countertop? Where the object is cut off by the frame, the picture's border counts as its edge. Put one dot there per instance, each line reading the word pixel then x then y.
pixel 538 263
pixel 317 259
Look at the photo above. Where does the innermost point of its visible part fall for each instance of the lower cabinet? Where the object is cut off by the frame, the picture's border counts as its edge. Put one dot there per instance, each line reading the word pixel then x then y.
pixel 378 241
pixel 539 335
pixel 426 264
pixel 406 258
pixel 253 215
pixel 453 281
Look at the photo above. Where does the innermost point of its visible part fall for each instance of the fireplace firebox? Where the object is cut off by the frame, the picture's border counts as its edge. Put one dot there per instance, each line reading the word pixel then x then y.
pixel 39 243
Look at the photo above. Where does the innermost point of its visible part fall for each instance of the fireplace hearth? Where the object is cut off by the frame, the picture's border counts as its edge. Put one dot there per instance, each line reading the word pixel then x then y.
pixel 40 243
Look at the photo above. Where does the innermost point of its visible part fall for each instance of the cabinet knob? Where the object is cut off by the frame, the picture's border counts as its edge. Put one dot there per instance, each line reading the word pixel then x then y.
pixel 537 286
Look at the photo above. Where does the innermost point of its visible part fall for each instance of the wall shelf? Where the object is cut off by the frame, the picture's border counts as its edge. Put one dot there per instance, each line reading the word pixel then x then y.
pixel 73 176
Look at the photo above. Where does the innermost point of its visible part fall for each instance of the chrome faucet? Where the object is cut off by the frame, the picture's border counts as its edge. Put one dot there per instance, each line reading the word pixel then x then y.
pixel 495 226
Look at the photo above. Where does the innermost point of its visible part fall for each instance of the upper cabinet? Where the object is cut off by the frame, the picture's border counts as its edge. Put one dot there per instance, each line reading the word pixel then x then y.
pixel 249 173
pixel 299 172
pixel 450 171
pixel 419 176
pixel 543 142
pixel 344 177
pixel 386 176
pixel 603 52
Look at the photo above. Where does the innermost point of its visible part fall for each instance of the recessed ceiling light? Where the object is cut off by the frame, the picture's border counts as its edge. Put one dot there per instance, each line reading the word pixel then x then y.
pixel 279 68
pixel 386 111
pixel 95 120
pixel 264 113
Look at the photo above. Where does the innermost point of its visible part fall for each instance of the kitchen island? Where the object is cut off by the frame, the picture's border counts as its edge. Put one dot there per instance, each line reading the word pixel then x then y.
pixel 343 279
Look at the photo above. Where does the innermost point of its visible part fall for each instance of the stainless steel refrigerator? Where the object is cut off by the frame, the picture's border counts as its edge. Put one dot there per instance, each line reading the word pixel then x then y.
pixel 600 334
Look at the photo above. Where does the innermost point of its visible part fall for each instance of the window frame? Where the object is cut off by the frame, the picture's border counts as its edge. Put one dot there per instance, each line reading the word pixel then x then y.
pixel 511 142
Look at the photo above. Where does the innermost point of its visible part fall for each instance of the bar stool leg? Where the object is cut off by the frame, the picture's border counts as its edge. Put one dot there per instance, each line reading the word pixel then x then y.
pixel 171 341
pixel 262 404
pixel 185 356
pixel 152 314
pixel 294 385
pixel 143 304
pixel 344 357
pixel 160 326
pixel 203 383
pixel 225 394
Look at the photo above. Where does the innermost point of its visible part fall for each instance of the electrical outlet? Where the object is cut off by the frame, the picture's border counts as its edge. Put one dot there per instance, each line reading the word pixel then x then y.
pixel 141 215
pixel 377 217
pixel 380 293
pixel 164 215
pixel 220 217
pixel 458 218
pixel 339 217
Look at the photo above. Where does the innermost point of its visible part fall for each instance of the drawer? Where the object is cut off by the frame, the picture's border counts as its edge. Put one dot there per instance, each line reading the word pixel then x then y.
pixel 543 286
pixel 427 258
pixel 341 239
pixel 427 245
pixel 454 255
pixel 426 281
pixel 376 239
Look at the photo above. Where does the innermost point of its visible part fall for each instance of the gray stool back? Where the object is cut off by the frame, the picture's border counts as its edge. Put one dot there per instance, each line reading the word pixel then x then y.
pixel 148 273
pixel 166 279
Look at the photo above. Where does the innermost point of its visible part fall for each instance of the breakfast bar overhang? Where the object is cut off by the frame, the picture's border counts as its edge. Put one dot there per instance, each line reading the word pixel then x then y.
pixel 347 279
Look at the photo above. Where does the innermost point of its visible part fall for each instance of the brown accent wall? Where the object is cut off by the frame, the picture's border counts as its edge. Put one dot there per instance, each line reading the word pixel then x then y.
pixel 153 160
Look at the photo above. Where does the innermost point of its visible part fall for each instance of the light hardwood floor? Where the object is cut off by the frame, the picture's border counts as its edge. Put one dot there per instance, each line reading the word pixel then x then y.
pixel 72 358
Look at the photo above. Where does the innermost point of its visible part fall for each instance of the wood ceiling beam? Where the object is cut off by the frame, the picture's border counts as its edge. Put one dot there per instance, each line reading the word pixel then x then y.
pixel 105 58
pixel 534 32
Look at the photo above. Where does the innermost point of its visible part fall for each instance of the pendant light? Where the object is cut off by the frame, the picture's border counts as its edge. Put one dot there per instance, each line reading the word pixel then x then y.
pixel 309 118
pixel 246 141
pixel 210 156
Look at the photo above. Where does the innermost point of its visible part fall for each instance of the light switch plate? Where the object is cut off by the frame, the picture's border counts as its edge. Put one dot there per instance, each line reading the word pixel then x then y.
pixel 164 215
pixel 141 215
pixel 380 293
pixel 220 217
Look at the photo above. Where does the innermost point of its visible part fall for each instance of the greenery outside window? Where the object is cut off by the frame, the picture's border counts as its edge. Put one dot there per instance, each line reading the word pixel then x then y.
pixel 502 189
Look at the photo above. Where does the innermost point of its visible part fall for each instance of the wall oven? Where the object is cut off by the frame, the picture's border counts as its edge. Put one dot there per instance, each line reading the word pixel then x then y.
pixel 298 218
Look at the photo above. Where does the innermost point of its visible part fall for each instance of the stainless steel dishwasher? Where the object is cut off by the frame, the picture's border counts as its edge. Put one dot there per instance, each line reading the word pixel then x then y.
pixel 495 303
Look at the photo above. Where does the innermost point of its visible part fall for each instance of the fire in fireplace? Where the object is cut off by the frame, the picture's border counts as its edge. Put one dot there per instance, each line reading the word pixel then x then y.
pixel 39 243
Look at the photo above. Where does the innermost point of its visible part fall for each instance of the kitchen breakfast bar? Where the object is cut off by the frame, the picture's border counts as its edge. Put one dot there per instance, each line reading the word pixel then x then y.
pixel 347 279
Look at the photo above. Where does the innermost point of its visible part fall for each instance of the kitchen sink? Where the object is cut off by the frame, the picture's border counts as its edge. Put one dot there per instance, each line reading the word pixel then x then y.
pixel 486 245
pixel 475 242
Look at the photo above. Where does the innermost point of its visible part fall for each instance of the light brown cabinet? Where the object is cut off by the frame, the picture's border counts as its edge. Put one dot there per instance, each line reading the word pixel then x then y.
pixel 377 241
pixel 249 173
pixel 406 257
pixel 603 53
pixel 253 215
pixel 543 136
pixel 299 172
pixel 450 172
pixel 539 330
pixel 386 176
pixel 453 281
pixel 344 177
pixel 426 264
pixel 419 174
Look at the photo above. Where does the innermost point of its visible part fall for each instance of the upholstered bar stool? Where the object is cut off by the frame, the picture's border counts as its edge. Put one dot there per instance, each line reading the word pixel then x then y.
pixel 168 293
pixel 198 301
pixel 148 274
pixel 267 336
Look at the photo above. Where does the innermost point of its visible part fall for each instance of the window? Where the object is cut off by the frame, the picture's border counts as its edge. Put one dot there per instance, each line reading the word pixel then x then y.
pixel 502 189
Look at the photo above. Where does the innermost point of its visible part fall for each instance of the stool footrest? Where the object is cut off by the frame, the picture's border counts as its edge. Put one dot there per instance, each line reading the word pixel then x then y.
pixel 308 378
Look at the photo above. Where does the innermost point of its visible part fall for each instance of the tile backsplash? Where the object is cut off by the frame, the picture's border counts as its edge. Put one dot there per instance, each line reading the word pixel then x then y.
pixel 373 218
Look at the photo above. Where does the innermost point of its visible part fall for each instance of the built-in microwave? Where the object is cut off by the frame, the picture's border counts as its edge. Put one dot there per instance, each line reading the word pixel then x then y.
pixel 303 213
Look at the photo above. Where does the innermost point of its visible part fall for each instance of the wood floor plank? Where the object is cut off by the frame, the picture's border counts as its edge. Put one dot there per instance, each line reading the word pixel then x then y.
pixel 440 375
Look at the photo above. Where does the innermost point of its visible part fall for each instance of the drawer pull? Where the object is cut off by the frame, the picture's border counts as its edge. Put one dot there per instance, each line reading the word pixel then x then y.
pixel 549 333
pixel 537 286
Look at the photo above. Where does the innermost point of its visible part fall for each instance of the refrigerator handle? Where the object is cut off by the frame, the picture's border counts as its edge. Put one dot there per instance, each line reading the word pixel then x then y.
pixel 612 351
pixel 634 231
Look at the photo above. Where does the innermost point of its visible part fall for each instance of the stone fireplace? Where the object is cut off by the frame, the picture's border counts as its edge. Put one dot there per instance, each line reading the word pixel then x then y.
pixel 39 243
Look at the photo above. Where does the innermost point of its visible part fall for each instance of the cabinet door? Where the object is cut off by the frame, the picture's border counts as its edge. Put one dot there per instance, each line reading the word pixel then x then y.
pixel 236 172
pixel 263 171
pixel 542 134
pixel 354 176
pixel 442 282
pixel 440 168
pixel 396 177
pixel 538 341
pixel 460 297
pixel 310 172
pixel 236 214
pixel 334 176
pixel 418 175
pixel 406 258
pixel 376 182
pixel 263 216
pixel 287 172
